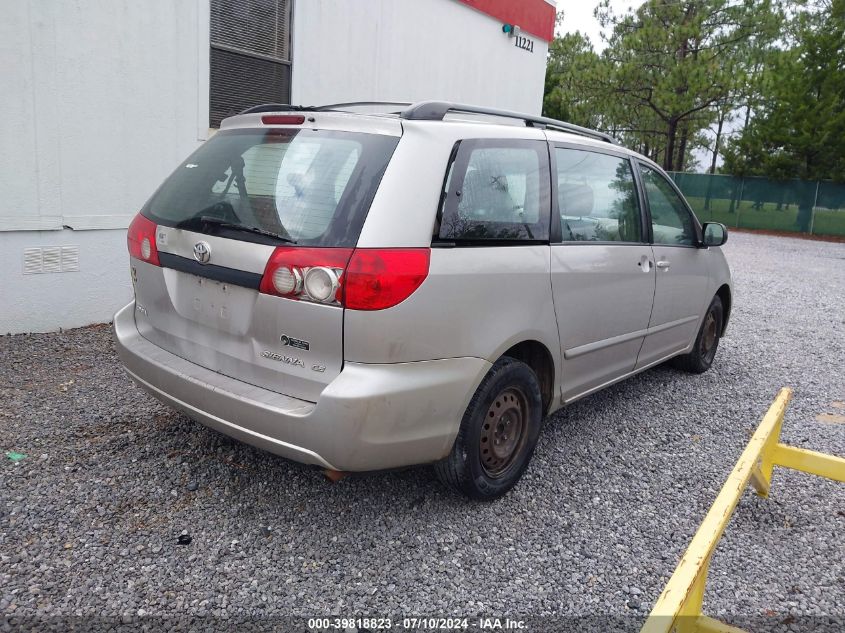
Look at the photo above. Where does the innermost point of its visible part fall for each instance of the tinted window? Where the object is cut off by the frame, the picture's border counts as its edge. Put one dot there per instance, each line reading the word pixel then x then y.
pixel 671 222
pixel 497 190
pixel 311 186
pixel 597 197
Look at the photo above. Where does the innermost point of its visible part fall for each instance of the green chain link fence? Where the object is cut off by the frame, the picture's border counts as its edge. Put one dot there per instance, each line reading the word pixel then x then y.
pixel 799 206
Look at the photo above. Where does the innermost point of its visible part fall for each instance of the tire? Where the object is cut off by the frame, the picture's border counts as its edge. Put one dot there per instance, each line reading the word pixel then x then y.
pixel 700 359
pixel 509 397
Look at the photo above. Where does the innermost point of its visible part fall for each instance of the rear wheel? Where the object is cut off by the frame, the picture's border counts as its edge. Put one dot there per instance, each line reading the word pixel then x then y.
pixel 703 351
pixel 498 433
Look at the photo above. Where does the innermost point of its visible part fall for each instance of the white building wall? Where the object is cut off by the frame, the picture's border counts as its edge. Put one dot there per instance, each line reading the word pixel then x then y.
pixel 411 50
pixel 49 301
pixel 101 100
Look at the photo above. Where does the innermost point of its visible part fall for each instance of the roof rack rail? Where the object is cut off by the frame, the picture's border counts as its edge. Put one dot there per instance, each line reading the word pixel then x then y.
pixel 276 107
pixel 352 104
pixel 437 110
pixel 286 107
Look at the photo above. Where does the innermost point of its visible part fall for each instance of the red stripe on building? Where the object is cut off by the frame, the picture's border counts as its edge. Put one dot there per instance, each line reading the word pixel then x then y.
pixel 533 16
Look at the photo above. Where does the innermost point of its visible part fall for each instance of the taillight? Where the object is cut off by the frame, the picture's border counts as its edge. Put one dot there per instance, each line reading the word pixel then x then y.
pixel 363 279
pixel 141 239
pixel 379 278
pixel 312 274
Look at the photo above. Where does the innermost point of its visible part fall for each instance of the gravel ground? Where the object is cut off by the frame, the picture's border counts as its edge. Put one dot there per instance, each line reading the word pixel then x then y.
pixel 90 519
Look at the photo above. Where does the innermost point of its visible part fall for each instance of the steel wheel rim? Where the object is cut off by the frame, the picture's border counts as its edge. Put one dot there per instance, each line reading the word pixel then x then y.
pixel 708 335
pixel 503 431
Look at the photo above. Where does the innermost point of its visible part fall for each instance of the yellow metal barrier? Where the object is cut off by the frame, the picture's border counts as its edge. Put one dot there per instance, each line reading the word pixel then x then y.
pixel 678 609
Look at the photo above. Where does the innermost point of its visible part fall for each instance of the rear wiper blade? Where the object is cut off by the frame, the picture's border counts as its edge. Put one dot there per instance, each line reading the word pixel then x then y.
pixel 208 219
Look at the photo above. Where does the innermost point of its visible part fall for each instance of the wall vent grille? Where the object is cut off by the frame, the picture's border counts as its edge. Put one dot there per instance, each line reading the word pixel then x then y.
pixel 31 261
pixel 70 259
pixel 50 259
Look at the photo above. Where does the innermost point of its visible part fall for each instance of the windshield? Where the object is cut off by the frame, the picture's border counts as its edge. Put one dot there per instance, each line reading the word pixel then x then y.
pixel 310 187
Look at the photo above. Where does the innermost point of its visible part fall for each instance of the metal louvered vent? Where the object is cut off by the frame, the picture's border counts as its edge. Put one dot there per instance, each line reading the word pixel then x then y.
pixel 238 82
pixel 50 259
pixel 250 55
pixel 70 259
pixel 31 261
pixel 257 27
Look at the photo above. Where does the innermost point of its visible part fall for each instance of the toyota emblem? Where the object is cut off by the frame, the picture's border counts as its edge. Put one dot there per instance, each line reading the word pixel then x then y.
pixel 202 252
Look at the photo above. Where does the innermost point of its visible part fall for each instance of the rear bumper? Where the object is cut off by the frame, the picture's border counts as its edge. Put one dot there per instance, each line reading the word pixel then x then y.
pixel 372 416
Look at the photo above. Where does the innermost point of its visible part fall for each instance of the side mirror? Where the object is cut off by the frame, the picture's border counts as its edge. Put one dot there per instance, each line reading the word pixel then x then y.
pixel 715 234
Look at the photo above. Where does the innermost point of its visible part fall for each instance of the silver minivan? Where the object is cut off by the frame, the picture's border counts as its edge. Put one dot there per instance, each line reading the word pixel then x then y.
pixel 369 290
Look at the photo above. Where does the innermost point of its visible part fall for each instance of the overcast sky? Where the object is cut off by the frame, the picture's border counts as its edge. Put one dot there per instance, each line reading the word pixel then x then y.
pixel 578 16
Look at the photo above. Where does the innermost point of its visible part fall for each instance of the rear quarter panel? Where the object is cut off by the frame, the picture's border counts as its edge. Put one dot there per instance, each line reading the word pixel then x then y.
pixel 476 301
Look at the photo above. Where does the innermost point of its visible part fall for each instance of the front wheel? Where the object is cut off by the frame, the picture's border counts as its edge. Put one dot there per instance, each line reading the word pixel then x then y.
pixel 703 351
pixel 498 433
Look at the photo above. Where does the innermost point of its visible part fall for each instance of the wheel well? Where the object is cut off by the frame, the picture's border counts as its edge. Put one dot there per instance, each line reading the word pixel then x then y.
pixel 537 357
pixel 724 293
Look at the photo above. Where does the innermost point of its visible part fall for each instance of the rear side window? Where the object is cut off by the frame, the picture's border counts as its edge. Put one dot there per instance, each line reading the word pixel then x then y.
pixel 497 190
pixel 311 187
pixel 597 197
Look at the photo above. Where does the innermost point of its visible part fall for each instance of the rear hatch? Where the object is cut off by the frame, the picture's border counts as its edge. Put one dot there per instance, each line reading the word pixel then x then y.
pixel 284 200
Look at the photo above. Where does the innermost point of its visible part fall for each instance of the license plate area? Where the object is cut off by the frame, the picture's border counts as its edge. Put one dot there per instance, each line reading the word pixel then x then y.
pixel 215 304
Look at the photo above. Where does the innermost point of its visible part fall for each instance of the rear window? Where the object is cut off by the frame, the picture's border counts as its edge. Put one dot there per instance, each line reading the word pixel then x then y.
pixel 311 187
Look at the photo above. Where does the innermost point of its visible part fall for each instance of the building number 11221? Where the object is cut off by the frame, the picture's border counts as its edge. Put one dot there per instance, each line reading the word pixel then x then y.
pixel 524 43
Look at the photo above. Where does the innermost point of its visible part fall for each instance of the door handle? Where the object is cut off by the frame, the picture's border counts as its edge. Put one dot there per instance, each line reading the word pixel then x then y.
pixel 644 264
pixel 663 264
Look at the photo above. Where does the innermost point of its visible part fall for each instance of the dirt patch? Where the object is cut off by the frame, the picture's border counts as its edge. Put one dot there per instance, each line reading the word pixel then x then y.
pixel 831 418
